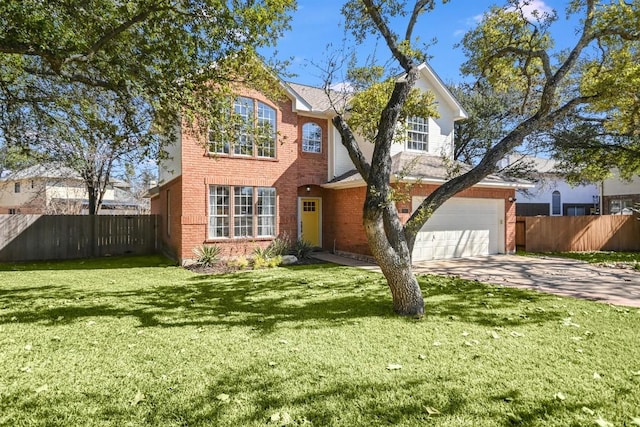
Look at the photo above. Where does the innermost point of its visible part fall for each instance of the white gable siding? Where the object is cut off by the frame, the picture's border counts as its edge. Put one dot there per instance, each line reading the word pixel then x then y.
pixel 171 167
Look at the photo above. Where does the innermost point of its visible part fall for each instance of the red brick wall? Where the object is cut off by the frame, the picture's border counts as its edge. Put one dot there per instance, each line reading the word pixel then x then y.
pixel 344 223
pixel 289 171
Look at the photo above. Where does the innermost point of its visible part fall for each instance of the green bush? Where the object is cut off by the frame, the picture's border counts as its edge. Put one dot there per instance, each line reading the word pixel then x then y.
pixel 261 261
pixel 302 249
pixel 207 255
pixel 281 245
pixel 239 262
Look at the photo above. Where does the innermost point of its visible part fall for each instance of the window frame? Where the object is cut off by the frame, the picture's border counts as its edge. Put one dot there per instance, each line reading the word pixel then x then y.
pixel 17 188
pixel 224 217
pixel 250 211
pixel 248 116
pixel 307 139
pixel 416 125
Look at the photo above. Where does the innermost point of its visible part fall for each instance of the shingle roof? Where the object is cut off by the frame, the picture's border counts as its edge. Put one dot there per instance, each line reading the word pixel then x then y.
pixel 427 167
pixel 317 98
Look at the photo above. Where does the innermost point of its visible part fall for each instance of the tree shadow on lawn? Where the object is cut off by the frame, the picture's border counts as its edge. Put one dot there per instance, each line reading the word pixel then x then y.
pixel 304 296
pixel 102 263
pixel 485 304
pixel 390 400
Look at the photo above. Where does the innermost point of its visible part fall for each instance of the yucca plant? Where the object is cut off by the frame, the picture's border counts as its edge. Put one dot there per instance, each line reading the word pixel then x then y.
pixel 207 255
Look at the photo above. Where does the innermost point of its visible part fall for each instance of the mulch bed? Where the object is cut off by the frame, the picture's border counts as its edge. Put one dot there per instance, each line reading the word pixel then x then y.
pixel 224 268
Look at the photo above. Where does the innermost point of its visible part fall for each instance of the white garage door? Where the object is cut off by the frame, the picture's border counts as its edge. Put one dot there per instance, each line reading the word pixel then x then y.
pixel 461 227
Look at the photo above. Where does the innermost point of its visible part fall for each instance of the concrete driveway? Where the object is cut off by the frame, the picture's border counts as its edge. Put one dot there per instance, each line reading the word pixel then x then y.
pixel 546 274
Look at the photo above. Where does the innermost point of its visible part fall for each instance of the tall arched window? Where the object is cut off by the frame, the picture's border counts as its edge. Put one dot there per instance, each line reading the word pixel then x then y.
pixel 555 203
pixel 311 138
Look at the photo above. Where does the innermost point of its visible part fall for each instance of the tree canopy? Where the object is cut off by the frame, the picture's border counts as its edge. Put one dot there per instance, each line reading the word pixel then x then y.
pixel 79 70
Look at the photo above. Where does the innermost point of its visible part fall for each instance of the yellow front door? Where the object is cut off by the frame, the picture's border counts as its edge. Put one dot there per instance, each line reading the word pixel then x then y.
pixel 310 221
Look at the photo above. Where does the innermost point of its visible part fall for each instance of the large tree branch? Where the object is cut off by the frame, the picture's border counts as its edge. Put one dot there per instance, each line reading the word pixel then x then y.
pixel 350 143
pixel 374 12
pixel 418 8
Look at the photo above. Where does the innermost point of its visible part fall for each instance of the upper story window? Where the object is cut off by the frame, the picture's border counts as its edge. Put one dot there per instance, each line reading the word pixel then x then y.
pixel 311 138
pixel 252 133
pixel 16 187
pixel 418 133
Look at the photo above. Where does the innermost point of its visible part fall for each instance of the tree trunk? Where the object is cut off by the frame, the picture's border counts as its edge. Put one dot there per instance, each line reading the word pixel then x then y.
pixel 390 249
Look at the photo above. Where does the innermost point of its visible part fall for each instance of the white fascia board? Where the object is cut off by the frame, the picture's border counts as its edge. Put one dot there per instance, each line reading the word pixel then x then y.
pixel 433 78
pixel 362 183
pixel 299 103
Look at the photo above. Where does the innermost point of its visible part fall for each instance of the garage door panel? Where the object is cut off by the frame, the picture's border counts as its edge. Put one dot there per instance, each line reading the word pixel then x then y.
pixel 462 227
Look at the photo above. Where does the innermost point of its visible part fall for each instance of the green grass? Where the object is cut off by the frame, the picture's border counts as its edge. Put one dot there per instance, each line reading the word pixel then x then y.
pixel 597 257
pixel 136 341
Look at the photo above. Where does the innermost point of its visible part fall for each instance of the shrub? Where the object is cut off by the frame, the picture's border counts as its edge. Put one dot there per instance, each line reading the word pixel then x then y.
pixel 281 245
pixel 261 261
pixel 207 255
pixel 302 249
pixel 239 262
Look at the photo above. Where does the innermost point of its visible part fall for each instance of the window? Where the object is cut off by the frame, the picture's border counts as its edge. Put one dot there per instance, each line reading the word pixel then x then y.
pixel 266 210
pixel 16 187
pixel 621 207
pixel 251 210
pixel 418 134
pixel 12 211
pixel 218 211
pixel 575 210
pixel 311 138
pixel 555 203
pixel 253 132
pixel 243 212
pixel 266 131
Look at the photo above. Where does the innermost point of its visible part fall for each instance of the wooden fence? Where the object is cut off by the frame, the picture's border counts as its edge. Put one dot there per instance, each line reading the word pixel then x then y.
pixel 578 233
pixel 48 237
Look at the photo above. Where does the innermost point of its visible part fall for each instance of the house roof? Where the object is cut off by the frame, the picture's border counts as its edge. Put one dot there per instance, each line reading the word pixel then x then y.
pixel 407 166
pixel 314 99
pixel 538 164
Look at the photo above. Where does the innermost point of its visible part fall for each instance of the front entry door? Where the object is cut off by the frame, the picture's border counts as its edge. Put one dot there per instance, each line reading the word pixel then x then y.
pixel 310 220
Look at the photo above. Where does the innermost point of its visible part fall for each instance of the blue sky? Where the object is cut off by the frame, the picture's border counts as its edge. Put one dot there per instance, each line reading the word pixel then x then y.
pixel 317 23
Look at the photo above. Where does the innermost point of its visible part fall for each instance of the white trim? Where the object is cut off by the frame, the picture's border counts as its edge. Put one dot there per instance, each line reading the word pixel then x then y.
pixel 299 226
pixel 361 183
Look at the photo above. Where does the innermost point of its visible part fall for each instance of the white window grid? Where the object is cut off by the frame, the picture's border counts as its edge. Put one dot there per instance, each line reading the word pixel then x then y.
pixel 243 107
pixel 218 211
pixel 266 130
pixel 243 212
pixel 418 133
pixel 311 138
pixel 266 212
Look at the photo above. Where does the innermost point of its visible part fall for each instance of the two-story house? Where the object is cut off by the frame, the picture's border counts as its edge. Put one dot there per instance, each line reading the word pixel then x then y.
pixel 240 194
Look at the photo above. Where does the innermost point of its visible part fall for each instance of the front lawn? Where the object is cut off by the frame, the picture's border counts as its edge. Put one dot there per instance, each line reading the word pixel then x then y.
pixel 137 341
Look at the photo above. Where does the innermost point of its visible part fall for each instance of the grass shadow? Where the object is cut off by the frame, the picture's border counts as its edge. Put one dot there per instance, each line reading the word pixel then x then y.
pixel 104 263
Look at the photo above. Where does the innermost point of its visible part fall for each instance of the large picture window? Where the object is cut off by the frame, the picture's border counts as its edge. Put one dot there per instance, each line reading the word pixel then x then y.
pixel 311 138
pixel 250 131
pixel 418 133
pixel 241 212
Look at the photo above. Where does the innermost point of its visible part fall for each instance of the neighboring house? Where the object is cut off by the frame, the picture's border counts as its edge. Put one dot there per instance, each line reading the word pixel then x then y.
pixel 552 194
pixel 56 189
pixel 301 182
pixel 620 196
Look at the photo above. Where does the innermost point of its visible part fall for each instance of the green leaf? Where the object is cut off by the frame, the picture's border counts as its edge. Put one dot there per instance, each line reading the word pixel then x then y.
pixel 222 397
pixel 587 410
pixel 559 396
pixel 394 366
pixel 432 411
pixel 139 397
pixel 602 422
